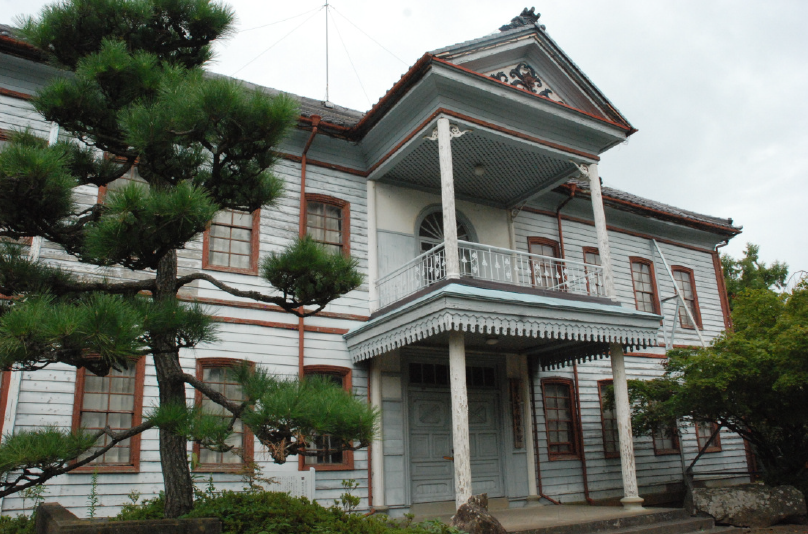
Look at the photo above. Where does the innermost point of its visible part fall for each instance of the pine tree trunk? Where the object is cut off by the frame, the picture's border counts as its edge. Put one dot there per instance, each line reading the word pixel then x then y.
pixel 173 448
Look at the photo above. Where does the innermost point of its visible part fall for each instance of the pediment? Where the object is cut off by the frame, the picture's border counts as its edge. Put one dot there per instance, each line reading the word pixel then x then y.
pixel 527 58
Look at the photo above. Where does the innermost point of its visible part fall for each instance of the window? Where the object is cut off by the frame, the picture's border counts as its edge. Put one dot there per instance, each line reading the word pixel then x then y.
pixel 593 282
pixel 328 221
pixel 642 276
pixel 611 441
pixel 131 176
pixel 666 441
pixel 428 374
pixel 5 382
pixel 231 242
pixel 545 273
pixel 686 285
pixel 115 400
pixel 559 417
pixel 430 231
pixel 703 433
pixel 217 373
pixel 335 461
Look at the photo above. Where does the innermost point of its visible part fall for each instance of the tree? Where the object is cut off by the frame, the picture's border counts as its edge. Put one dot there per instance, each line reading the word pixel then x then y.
pixel 134 94
pixel 751 273
pixel 752 381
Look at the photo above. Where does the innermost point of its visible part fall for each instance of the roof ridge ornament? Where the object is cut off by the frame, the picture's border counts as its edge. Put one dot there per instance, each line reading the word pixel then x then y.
pixel 528 17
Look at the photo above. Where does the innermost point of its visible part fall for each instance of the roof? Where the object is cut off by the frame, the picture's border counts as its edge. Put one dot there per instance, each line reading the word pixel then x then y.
pixel 346 118
pixel 628 202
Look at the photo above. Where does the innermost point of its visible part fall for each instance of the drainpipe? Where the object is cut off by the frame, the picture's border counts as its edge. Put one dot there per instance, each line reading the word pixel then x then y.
pixel 315 121
pixel 558 219
pixel 580 428
pixel 530 378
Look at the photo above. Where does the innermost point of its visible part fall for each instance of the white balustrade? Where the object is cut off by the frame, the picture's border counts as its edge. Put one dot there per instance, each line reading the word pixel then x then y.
pixel 493 264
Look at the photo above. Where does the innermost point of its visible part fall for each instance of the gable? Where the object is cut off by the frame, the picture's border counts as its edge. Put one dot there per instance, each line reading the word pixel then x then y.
pixel 525 57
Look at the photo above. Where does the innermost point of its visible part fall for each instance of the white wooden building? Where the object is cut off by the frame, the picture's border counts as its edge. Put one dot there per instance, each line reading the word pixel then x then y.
pixel 546 281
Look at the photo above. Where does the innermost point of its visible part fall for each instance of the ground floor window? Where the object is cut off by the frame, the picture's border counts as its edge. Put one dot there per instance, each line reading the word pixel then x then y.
pixel 611 442
pixel 703 433
pixel 666 441
pixel 559 417
pixel 337 460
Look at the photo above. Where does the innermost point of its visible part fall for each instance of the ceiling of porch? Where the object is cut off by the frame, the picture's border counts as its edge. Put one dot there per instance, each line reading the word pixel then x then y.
pixel 486 170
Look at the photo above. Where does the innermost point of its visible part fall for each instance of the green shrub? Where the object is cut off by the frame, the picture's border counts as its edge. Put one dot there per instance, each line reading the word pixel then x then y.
pixel 16 525
pixel 277 513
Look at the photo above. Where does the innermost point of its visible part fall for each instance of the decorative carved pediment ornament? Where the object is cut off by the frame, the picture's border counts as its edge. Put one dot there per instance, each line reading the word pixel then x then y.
pixel 454 131
pixel 526 18
pixel 525 77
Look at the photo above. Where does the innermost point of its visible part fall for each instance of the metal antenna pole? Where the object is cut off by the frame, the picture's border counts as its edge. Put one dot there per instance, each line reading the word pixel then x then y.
pixel 326 52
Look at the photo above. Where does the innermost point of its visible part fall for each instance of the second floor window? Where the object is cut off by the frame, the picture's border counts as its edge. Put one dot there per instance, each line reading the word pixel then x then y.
pixel 687 288
pixel 328 222
pixel 546 273
pixel 231 242
pixel 593 283
pixel 131 176
pixel 642 276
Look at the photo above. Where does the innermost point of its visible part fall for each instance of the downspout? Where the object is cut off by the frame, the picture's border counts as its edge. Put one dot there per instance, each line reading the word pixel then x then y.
pixel 581 429
pixel 536 433
pixel 370 456
pixel 558 219
pixel 315 121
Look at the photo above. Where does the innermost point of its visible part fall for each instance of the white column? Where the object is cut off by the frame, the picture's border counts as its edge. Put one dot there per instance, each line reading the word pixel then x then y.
pixel 373 248
pixel 460 417
pixel 448 199
pixel 377 460
pixel 631 499
pixel 532 487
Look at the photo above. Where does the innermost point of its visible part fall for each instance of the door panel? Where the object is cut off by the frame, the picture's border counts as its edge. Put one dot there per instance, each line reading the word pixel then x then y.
pixel 431 440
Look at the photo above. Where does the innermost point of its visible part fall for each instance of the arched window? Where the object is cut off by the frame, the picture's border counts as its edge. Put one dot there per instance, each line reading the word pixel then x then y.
pixel 430 229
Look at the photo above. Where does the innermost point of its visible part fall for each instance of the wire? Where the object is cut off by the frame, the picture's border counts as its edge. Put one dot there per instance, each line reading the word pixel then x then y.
pixel 352 63
pixel 278 41
pixel 368 36
pixel 279 21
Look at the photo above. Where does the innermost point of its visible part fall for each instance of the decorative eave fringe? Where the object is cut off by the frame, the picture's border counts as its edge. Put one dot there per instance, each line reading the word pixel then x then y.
pixel 596 336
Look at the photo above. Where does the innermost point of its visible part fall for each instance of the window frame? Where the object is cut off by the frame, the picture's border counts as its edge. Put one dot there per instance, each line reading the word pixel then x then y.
pixel 347 384
pixel 652 272
pixel 248 437
pixel 664 452
pixel 5 383
pixel 574 438
pixel 137 418
pixel 696 308
pixel 607 453
pixel 103 189
pixel 584 252
pixel 343 205
pixel 255 244
pixel 716 445
pixel 536 240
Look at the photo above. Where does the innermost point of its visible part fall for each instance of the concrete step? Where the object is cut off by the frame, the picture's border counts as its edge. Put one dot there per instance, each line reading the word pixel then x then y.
pixel 634 524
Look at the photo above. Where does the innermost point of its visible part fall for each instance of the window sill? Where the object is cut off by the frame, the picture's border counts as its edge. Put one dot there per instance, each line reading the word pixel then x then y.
pixel 611 455
pixel 92 468
pixel 321 467
pixel 218 468
pixel 666 452
pixel 563 457
pixel 252 272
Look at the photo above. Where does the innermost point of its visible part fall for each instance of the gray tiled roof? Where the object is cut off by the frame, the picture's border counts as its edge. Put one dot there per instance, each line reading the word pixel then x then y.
pixel 6 30
pixel 491 36
pixel 658 206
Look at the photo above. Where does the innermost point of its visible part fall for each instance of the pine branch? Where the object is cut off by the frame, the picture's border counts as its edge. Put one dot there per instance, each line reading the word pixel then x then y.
pixel 29 479
pixel 292 307
pixel 233 407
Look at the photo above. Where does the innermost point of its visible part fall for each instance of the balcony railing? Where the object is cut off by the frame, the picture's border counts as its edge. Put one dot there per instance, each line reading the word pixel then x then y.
pixel 494 264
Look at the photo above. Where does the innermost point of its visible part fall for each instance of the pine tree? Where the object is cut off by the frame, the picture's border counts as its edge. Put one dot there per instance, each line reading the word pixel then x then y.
pixel 134 93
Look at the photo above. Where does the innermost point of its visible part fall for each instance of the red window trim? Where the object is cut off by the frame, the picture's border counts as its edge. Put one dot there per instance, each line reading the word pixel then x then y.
pixel 254 246
pixel 5 383
pixel 137 418
pixel 716 444
pixel 575 454
pixel 344 205
pixel 607 454
pixel 697 308
pixel 249 439
pixel 347 383
pixel 664 452
pixel 535 240
pixel 650 264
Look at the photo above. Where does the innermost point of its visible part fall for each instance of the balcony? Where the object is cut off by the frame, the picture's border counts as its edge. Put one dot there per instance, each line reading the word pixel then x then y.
pixel 493 264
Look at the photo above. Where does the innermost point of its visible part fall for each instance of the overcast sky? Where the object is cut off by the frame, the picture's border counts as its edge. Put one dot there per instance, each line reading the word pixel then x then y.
pixel 717 89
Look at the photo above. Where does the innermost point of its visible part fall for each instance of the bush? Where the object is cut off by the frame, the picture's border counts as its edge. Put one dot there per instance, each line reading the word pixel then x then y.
pixel 278 513
pixel 17 525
